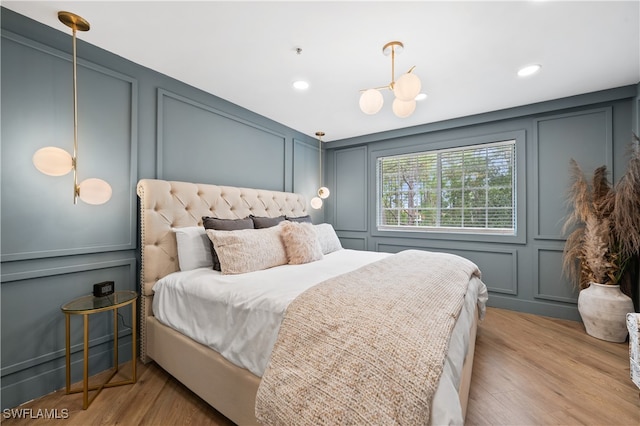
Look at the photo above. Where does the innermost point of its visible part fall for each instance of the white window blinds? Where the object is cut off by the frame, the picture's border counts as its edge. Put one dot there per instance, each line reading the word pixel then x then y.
pixel 470 189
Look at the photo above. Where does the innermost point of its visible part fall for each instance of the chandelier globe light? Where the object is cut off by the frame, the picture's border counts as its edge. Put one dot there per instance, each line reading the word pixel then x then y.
pixel 403 109
pixel 405 88
pixel 323 191
pixel 371 101
pixel 54 161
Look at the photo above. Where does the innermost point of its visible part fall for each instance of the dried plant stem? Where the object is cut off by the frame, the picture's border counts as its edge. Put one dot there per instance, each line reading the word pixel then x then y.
pixel 604 222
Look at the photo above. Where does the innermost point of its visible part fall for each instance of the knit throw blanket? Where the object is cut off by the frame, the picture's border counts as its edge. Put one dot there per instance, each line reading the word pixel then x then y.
pixel 366 347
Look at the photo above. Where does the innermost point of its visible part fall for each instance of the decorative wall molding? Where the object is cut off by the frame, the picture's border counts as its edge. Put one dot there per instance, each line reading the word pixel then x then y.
pixel 353 243
pixel 163 96
pixel 124 198
pixel 351 190
pixel 550 284
pixel 131 273
pixel 305 164
pixel 553 194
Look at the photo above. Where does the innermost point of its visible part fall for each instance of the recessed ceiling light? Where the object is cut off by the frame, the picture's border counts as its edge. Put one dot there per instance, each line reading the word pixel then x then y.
pixel 529 70
pixel 301 85
pixel 421 97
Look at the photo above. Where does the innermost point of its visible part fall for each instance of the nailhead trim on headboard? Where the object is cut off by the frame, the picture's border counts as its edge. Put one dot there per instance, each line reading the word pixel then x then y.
pixel 172 204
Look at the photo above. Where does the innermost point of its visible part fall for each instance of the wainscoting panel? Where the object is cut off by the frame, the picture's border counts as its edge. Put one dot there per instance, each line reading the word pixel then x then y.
pixel 306 174
pixel 351 189
pixel 42 220
pixel 34 324
pixel 587 137
pixel 198 143
pixel 552 284
pixel 354 243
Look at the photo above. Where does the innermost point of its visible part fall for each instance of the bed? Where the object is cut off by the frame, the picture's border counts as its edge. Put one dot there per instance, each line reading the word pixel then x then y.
pixel 247 388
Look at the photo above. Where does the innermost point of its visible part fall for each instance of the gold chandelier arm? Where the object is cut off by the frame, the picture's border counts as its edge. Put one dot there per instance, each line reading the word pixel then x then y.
pixel 376 88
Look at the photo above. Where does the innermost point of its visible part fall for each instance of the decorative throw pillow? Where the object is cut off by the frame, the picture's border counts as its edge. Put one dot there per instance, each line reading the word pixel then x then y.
pixel 306 219
pixel 300 242
pixel 248 250
pixel 223 225
pixel 329 241
pixel 194 248
pixel 265 222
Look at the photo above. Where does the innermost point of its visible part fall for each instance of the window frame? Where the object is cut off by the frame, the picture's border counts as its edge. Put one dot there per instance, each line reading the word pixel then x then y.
pixel 519 235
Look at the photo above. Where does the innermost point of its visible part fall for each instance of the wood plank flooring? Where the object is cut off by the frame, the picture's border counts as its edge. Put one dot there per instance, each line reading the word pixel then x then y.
pixel 528 370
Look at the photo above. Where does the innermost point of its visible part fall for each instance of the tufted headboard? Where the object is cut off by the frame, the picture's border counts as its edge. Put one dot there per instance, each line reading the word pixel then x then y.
pixel 171 204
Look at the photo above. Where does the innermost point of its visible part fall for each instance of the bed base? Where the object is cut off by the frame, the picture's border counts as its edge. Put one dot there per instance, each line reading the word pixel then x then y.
pixel 230 389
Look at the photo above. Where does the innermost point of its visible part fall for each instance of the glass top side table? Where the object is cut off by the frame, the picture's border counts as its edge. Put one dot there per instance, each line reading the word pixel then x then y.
pixel 88 305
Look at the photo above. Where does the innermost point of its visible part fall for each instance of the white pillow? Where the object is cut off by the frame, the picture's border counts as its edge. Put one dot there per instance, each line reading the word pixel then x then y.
pixel 248 250
pixel 327 237
pixel 194 248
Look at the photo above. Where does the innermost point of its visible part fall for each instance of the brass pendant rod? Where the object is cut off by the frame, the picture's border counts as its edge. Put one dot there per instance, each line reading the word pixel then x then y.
pixel 76 189
pixel 320 163
pixel 393 67
pixel 76 23
pixel 320 135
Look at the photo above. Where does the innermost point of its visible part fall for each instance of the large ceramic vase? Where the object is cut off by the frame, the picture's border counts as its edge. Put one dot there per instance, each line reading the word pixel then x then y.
pixel 603 309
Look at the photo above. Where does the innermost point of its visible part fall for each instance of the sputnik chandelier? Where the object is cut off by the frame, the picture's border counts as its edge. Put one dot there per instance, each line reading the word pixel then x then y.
pixel 405 89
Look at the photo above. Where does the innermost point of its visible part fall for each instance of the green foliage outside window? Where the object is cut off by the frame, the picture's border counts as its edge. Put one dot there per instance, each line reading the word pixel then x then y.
pixel 470 188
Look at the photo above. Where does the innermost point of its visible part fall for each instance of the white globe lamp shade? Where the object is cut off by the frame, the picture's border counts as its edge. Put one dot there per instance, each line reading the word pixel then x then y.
pixel 407 87
pixel 403 109
pixel 323 192
pixel 316 203
pixel 53 161
pixel 371 101
pixel 94 191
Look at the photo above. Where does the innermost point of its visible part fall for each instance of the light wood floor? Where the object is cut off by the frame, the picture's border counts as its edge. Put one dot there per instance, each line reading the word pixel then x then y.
pixel 528 370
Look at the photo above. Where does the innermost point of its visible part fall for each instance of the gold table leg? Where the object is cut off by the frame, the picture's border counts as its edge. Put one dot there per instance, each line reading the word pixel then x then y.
pixel 67 323
pixel 85 380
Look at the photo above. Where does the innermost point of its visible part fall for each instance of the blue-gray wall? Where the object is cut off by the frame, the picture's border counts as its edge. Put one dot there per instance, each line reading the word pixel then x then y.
pixel 133 123
pixel 523 272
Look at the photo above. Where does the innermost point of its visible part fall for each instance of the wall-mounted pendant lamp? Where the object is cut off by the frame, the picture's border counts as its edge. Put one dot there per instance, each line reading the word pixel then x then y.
pixel 323 191
pixel 405 89
pixel 54 161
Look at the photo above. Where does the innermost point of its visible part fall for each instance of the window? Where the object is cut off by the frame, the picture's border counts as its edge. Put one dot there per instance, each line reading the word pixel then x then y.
pixel 470 189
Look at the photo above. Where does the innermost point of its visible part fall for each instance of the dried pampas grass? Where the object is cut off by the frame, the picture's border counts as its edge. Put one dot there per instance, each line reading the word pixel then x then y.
pixel 604 222
pixel 626 215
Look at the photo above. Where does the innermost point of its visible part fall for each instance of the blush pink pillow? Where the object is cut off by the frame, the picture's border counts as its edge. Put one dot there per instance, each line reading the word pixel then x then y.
pixel 300 242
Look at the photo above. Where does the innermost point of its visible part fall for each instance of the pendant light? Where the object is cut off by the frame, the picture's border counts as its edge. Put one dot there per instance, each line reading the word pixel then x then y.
pixel 54 161
pixel 323 191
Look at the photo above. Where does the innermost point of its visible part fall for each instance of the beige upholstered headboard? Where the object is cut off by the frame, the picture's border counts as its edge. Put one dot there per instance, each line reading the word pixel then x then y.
pixel 170 204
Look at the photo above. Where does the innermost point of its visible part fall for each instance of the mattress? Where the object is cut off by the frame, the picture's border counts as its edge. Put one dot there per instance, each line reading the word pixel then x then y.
pixel 239 315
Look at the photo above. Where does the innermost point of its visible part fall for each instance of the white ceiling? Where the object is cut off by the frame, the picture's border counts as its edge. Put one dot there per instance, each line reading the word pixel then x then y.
pixel 465 53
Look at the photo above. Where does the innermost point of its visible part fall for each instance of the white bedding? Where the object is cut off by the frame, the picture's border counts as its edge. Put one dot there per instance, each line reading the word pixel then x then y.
pixel 239 315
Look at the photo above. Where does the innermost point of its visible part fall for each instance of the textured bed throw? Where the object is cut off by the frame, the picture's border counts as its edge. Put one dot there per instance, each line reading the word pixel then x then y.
pixel 366 347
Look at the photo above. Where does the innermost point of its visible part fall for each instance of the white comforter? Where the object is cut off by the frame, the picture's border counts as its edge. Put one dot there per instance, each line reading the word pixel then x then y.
pixel 239 315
